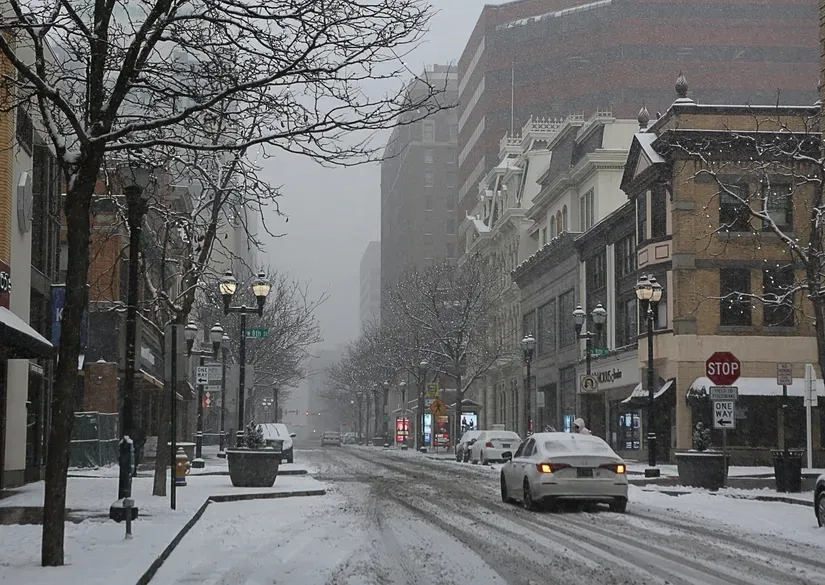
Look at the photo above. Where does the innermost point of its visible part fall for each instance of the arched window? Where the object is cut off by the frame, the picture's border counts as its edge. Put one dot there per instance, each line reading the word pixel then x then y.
pixel 564 219
pixel 558 222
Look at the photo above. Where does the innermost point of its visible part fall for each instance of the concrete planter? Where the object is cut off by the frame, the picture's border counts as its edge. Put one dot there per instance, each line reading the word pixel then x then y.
pixel 248 468
pixel 702 469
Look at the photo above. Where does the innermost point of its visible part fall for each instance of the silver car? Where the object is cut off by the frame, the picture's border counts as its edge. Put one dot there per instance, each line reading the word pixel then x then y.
pixel 462 450
pixel 548 467
pixel 490 446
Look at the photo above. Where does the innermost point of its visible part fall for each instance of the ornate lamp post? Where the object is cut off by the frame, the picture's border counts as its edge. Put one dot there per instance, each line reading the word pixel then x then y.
pixel 226 350
pixel 135 181
pixel 528 345
pixel 649 293
pixel 190 333
pixel 261 288
pixel 598 316
pixel 386 386
pixel 422 376
pixel 402 385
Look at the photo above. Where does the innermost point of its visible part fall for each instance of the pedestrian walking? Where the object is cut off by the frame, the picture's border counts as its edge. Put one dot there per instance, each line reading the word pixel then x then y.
pixel 579 428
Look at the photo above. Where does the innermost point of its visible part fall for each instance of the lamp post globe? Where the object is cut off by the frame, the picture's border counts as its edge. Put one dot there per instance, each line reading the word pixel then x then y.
pixel 599 315
pixel 579 316
pixel 644 289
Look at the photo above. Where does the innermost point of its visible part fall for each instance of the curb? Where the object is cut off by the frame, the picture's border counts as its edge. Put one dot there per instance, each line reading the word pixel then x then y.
pixel 158 562
pixel 777 499
pixel 287 472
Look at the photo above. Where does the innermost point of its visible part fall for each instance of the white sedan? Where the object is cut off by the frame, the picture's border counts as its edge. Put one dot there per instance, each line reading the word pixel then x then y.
pixel 548 467
pixel 490 446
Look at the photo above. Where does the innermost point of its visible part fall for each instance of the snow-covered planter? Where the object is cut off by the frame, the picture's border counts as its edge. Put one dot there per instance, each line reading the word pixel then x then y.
pixel 701 467
pixel 251 464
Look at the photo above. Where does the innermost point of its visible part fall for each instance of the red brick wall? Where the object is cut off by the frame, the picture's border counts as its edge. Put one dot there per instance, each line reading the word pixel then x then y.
pixel 100 393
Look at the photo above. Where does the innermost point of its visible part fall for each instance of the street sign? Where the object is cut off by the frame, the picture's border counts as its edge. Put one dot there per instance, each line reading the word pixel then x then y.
pixel 784 374
pixel 202 375
pixel 718 393
pixel 432 389
pixel 589 384
pixel 438 408
pixel 257 332
pixel 724 414
pixel 213 372
pixel 212 388
pixel 723 368
pixel 428 402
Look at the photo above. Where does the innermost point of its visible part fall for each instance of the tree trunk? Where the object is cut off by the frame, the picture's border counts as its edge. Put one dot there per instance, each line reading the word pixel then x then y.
pixel 376 409
pixel 164 423
pixel 459 408
pixel 78 223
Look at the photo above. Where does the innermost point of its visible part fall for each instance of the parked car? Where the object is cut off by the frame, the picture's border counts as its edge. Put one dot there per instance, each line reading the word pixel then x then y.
pixel 819 500
pixel 548 467
pixel 490 445
pixel 331 438
pixel 462 450
pixel 277 436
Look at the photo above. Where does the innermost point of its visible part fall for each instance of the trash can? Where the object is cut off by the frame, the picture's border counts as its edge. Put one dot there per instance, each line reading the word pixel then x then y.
pixel 787 469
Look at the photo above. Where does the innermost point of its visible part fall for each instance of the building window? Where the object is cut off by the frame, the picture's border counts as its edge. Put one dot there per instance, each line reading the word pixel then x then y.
pixel 429 132
pixel 779 204
pixel 529 324
pixel 625 257
pixel 453 132
pixel 558 222
pixel 450 225
pixel 553 233
pixel 429 158
pixel 547 327
pixel 596 273
pixel 627 327
pixel 451 251
pixel 429 179
pixel 567 388
pixel 735 290
pixel 429 201
pixel 567 331
pixel 658 212
pixel 543 236
pixel 733 209
pixel 641 217
pixel 564 219
pixel 778 297
pixel 586 212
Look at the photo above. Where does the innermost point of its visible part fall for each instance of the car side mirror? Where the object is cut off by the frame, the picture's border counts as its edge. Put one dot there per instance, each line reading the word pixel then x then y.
pixel 292 435
pixel 507 455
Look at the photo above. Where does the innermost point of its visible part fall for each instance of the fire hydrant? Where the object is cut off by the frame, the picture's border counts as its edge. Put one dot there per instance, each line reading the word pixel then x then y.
pixel 182 467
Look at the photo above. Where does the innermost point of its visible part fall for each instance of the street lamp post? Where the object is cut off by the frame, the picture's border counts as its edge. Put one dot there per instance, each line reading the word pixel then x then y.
pixel 261 288
pixel 528 345
pixel 359 398
pixel 135 181
pixel 422 375
pixel 224 354
pixel 386 414
pixel 598 316
pixel 405 421
pixel 190 332
pixel 649 293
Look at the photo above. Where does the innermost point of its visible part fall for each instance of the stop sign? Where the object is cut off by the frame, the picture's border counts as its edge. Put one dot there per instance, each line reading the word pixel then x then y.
pixel 723 368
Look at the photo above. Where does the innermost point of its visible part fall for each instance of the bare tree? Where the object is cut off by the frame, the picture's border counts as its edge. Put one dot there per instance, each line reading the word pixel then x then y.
pixel 455 309
pixel 151 77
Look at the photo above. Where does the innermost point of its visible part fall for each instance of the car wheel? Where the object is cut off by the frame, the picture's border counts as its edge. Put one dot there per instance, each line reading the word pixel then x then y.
pixel 504 497
pixel 820 508
pixel 484 459
pixel 619 505
pixel 527 498
pixel 290 457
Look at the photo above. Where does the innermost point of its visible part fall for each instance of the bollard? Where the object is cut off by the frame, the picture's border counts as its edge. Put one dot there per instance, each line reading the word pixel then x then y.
pixel 128 504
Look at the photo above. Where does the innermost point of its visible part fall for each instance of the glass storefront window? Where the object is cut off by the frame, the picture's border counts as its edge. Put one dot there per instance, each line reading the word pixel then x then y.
pixel 629 431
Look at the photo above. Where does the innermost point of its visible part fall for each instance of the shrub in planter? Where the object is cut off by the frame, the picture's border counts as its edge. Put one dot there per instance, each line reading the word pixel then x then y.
pixel 250 464
pixel 701 466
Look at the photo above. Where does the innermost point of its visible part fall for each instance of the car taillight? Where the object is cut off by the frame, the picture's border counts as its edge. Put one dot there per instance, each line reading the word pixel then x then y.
pixel 615 467
pixel 550 467
pixel 488 444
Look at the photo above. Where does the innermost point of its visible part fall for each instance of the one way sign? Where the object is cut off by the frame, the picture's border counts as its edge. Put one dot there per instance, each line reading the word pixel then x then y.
pixel 724 414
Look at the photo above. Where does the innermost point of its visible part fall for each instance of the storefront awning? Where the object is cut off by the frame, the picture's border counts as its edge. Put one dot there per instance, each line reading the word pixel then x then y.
pixel 640 393
pixel 757 387
pixel 19 340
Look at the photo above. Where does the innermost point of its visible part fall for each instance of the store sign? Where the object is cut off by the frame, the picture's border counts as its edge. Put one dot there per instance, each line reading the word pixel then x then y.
pixel 5 284
pixel 618 373
pixel 58 304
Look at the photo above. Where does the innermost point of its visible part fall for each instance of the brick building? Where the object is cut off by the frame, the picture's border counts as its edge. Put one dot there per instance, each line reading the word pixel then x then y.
pixel 554 57
pixel 728 279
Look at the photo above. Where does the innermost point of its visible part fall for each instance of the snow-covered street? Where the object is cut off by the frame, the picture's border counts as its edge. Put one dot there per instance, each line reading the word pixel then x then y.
pixel 398 517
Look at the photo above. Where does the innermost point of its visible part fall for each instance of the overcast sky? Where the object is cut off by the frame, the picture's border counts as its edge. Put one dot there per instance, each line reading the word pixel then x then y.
pixel 334 213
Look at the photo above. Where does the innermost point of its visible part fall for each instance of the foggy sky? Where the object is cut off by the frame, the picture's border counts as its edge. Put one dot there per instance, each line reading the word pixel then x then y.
pixel 335 213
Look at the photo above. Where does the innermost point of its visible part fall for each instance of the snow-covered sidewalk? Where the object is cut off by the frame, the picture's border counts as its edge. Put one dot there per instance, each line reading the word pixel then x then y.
pixel 96 551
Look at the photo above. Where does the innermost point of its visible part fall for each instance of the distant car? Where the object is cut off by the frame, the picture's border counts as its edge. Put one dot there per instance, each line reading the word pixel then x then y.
pixel 462 450
pixel 819 500
pixel 490 445
pixel 331 438
pixel 277 436
pixel 548 467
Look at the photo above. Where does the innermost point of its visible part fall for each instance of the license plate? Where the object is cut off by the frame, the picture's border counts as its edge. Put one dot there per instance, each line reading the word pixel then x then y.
pixel 506 445
pixel 584 472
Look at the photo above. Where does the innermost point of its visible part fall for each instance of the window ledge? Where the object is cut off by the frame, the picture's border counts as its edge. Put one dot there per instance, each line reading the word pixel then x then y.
pixel 760 233
pixel 737 328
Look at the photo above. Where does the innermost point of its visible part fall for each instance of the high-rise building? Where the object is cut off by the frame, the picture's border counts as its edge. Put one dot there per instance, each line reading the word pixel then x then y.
pixel 557 57
pixel 418 183
pixel 371 285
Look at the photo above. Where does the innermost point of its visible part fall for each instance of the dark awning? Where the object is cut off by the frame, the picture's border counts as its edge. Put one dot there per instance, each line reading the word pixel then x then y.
pixel 18 340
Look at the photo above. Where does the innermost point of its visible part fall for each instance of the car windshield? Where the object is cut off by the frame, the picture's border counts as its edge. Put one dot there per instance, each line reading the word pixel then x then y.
pixel 470 435
pixel 579 444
